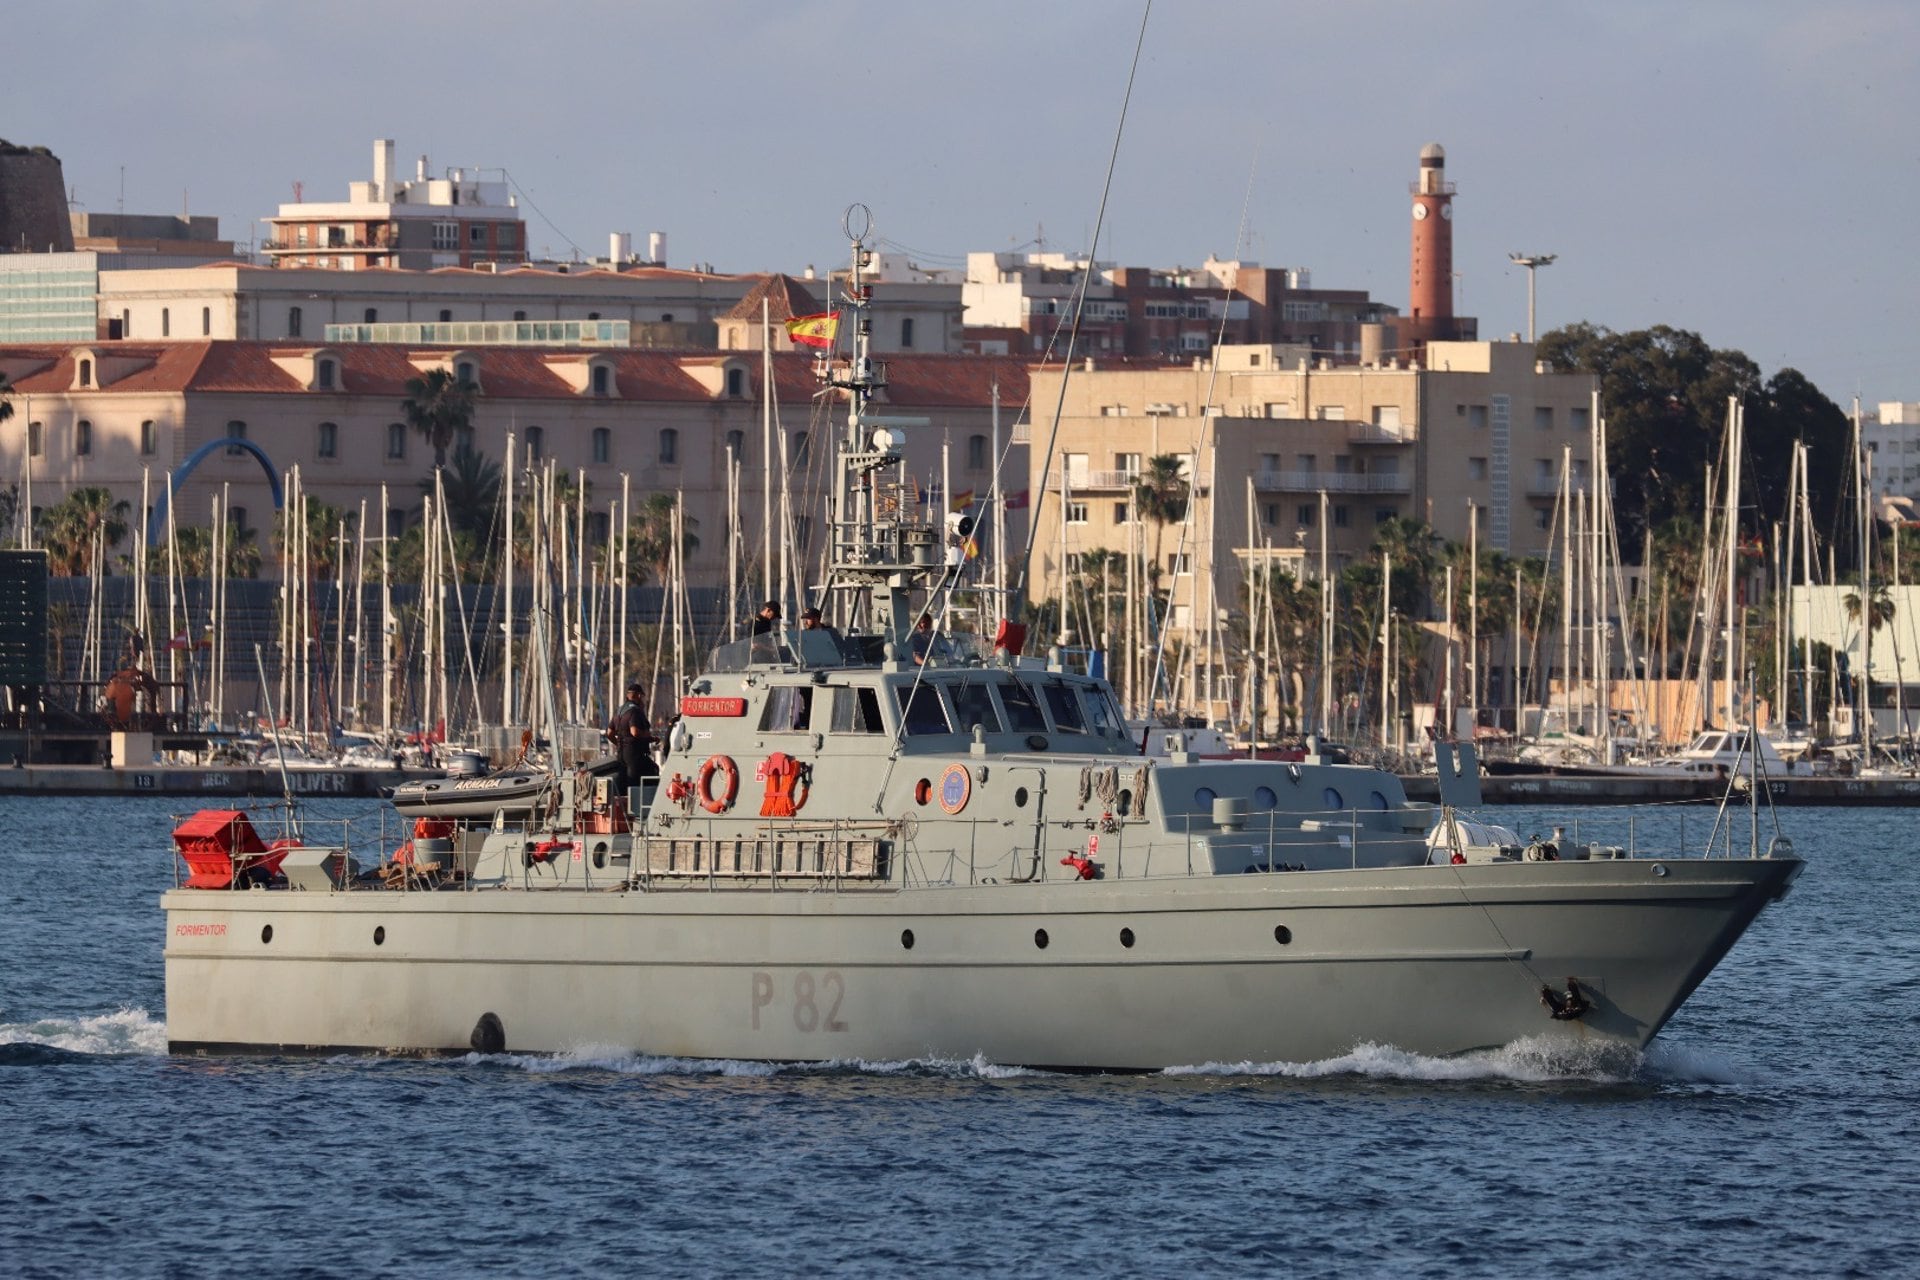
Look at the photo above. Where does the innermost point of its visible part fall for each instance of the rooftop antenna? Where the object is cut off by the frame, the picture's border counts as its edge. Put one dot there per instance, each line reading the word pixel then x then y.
pixel 1530 261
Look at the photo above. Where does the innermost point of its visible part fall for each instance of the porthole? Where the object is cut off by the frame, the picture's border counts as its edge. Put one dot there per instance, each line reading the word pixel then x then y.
pixel 1282 934
pixel 1203 797
pixel 266 933
pixel 599 856
pixel 1378 801
pixel 1040 939
pixel 1126 938
pixel 379 934
pixel 1020 802
pixel 906 939
pixel 1332 799
pixel 1123 803
pixel 1264 798
pixel 923 791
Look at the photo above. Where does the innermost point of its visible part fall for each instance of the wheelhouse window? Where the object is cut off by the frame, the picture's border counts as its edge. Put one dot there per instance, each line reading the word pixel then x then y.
pixel 1023 713
pixel 1063 706
pixel 788 709
pixel 921 711
pixel 857 710
pixel 974 705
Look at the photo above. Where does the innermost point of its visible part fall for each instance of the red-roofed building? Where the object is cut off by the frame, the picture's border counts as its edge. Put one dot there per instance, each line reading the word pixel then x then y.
pixel 113 413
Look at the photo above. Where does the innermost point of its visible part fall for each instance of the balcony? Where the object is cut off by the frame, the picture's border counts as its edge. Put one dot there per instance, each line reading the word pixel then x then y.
pixel 1376 433
pixel 1549 486
pixel 1089 480
pixel 1332 482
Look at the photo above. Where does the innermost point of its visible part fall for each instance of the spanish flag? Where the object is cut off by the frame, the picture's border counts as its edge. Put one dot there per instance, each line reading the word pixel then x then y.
pixel 814 331
pixel 961 500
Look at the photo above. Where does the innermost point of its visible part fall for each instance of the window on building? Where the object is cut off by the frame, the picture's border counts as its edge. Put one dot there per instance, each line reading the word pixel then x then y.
pixel 736 382
pixel 736 442
pixel 466 374
pixel 1303 515
pixel 1120 513
pixel 301 237
pixel 147 444
pixel 237 518
pixel 293 322
pixel 599 528
pixel 506 235
pixel 536 442
pixel 446 315
pixel 396 440
pixel 519 315
pixel 86 373
pixel 166 322
pixel 977 453
pixel 602 444
pixel 1339 517
pixel 1543 469
pixel 1307 462
pixel 1543 417
pixel 1476 415
pixel 1543 517
pixel 602 380
pixel 1269 513
pixel 370 316
pixel 802 443
pixel 1386 415
pixel 1580 418
pixel 1279 408
pixel 1476 468
pixel 1383 514
pixel 396 521
pixel 236 430
pixel 82 438
pixel 593 315
pixel 126 323
pixel 477 234
pixel 906 333
pixel 1076 513
pixel 34 443
pixel 462 441
pixel 324 376
pixel 328 444
pixel 206 322
pixel 446 235
pixel 1127 464
pixel 1331 413
pixel 669 446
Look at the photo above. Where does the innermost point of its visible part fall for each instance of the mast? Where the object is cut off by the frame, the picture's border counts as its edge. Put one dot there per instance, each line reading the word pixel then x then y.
pixel 506 629
pixel 1733 553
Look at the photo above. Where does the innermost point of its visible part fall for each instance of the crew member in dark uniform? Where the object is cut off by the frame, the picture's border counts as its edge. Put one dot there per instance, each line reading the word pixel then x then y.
pixel 632 736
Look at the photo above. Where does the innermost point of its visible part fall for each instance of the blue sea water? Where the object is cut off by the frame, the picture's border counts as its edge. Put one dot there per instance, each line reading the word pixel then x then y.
pixel 1771 1130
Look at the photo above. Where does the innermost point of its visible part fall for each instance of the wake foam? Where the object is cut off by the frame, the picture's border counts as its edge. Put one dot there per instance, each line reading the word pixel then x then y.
pixel 625 1062
pixel 125 1032
pixel 1526 1061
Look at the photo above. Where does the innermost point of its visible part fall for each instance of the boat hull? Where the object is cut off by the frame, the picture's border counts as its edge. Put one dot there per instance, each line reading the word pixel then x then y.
pixel 1435 960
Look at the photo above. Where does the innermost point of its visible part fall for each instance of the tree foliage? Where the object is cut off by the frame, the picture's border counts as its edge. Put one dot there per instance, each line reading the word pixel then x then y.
pixel 439 406
pixel 69 530
pixel 1665 393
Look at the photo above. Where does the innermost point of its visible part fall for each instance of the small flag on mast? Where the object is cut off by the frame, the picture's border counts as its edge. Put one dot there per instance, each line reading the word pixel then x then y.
pixel 815 330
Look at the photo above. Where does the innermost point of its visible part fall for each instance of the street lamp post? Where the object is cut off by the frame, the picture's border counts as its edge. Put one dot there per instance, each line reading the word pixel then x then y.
pixel 1530 261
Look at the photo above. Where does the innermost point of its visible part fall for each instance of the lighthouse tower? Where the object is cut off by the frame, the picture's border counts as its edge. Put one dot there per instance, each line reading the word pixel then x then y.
pixel 1430 288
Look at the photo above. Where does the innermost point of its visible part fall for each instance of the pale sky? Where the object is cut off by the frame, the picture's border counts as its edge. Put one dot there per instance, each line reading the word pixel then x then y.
pixel 1743 168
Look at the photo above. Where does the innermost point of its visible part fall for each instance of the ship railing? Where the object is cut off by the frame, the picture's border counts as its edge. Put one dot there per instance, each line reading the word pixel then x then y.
pixel 362 838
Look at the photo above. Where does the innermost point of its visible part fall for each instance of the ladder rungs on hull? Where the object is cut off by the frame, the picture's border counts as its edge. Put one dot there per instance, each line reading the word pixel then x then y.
pixel 823 856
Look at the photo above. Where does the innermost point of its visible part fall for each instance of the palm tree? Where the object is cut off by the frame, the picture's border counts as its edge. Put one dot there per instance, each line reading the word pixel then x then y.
pixel 1879 609
pixel 650 539
pixel 440 407
pixel 1160 497
pixel 193 553
pixel 6 397
pixel 471 488
pixel 69 529
pixel 323 537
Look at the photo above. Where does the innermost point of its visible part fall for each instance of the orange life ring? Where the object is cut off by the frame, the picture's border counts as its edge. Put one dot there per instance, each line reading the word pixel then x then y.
pixel 730 784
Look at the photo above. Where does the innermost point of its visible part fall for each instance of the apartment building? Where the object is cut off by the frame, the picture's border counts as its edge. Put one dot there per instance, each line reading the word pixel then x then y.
pixel 1285 449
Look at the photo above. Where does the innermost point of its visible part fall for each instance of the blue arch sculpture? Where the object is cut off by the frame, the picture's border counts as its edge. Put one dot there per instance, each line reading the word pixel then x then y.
pixel 156 523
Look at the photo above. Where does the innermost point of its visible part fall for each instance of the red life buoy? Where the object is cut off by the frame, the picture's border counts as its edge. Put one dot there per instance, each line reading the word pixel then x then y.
pixel 729 784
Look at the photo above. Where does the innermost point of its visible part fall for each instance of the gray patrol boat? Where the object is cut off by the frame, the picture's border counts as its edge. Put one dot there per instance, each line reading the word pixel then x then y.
pixel 876 845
